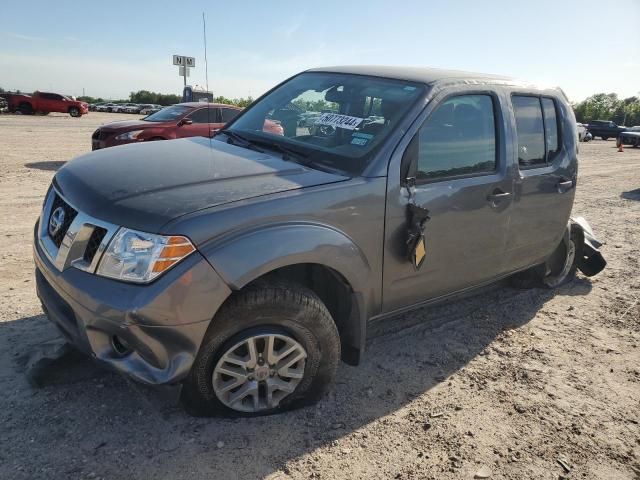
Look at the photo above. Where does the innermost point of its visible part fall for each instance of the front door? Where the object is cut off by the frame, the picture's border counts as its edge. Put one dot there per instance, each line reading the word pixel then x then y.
pixel 462 180
pixel 204 120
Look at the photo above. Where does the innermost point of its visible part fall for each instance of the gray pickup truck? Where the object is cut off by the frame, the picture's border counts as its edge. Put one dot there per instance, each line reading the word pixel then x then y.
pixel 243 267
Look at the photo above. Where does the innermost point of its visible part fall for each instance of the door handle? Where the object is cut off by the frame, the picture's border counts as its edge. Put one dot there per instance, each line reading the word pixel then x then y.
pixel 564 185
pixel 496 196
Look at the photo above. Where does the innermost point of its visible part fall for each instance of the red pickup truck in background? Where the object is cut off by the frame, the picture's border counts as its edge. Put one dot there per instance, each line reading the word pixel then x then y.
pixel 45 103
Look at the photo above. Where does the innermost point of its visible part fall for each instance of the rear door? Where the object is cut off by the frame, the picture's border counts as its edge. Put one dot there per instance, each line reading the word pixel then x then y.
pixel 226 115
pixel 544 187
pixel 459 164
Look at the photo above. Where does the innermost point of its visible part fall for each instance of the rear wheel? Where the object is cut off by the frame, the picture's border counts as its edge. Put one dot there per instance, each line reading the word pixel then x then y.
pixel 74 111
pixel 563 263
pixel 559 268
pixel 270 348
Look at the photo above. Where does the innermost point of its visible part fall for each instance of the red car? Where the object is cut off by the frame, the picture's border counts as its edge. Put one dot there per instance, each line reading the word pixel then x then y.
pixel 44 102
pixel 192 119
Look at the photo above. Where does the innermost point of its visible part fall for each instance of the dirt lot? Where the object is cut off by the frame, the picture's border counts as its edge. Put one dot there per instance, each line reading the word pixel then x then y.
pixel 509 381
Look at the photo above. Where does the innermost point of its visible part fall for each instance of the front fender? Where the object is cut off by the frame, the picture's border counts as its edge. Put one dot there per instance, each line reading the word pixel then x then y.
pixel 243 257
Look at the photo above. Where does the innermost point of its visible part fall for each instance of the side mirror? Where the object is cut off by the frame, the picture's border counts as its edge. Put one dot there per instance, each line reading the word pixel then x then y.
pixel 185 121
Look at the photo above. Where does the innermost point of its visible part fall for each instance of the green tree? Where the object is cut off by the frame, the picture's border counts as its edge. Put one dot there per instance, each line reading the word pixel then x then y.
pixel 607 106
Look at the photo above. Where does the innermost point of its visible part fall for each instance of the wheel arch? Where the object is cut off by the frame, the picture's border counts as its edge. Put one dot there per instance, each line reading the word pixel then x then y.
pixel 317 256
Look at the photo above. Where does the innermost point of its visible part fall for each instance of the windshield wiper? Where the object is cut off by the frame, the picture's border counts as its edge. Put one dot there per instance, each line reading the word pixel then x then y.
pixel 241 141
pixel 287 153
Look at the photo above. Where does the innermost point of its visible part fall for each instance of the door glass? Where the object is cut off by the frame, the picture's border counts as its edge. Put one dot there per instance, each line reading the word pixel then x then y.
pixel 459 138
pixel 551 127
pixel 203 115
pixel 228 114
pixel 530 130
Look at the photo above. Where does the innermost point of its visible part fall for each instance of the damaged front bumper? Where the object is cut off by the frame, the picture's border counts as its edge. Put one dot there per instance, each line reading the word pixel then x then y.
pixel 150 332
pixel 592 261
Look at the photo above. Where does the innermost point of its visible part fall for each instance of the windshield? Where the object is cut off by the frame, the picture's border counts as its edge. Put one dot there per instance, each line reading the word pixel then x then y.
pixel 167 114
pixel 334 120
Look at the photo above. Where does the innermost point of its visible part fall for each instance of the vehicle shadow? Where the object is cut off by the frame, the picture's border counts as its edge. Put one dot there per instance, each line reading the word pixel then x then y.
pixel 49 165
pixel 88 417
pixel 631 194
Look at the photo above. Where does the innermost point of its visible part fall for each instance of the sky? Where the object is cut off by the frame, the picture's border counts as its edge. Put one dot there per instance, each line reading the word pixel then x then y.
pixel 110 49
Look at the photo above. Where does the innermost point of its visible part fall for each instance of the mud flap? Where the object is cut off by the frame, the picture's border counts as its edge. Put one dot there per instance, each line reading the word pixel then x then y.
pixel 592 261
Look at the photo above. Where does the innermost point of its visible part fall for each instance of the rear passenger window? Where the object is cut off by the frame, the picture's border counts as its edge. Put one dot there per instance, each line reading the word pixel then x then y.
pixel 203 115
pixel 228 114
pixel 530 129
pixel 459 138
pixel 550 127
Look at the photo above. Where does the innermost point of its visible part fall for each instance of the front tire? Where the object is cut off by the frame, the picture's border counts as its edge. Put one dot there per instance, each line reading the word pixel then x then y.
pixel 26 109
pixel 270 348
pixel 74 112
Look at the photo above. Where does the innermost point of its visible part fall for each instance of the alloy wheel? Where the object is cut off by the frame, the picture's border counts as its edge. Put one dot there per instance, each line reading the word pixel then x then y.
pixel 258 372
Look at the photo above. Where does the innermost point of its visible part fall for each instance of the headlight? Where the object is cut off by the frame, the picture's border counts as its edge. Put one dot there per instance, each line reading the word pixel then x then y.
pixel 140 257
pixel 129 135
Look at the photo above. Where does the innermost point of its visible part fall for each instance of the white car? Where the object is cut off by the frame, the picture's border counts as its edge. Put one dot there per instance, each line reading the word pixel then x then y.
pixel 122 108
pixel 151 109
pixel 583 134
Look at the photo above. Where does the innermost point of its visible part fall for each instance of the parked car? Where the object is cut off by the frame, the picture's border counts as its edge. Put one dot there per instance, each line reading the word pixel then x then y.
pixel 178 121
pixel 244 267
pixel 604 129
pixel 148 110
pixel 105 107
pixel 44 102
pixel 630 137
pixel 583 134
pixel 137 108
pixel 122 107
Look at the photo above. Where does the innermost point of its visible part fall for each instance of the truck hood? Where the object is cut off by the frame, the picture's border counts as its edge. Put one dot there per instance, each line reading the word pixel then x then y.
pixel 145 185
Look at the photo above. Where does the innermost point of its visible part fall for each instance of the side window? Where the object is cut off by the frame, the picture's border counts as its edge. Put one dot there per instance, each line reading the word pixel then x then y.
pixel 228 114
pixel 204 115
pixel 550 127
pixel 530 130
pixel 459 138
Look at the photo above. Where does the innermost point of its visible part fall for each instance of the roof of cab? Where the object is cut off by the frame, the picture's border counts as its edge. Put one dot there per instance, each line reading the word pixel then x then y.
pixel 204 104
pixel 416 74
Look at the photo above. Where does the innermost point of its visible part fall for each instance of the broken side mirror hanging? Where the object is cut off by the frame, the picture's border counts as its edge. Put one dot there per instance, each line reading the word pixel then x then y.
pixel 417 217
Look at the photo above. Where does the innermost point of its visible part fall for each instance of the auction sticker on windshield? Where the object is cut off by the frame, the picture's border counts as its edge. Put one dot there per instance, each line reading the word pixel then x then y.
pixel 339 121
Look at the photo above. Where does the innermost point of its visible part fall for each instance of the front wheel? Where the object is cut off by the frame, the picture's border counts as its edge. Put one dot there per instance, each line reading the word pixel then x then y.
pixel 26 109
pixel 74 111
pixel 271 348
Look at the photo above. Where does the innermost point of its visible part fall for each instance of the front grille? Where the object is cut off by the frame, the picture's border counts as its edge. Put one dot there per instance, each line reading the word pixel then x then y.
pixel 69 215
pixel 94 242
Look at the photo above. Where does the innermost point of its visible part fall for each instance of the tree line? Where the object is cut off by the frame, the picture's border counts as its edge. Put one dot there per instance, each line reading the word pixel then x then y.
pixel 601 106
pixel 145 96
pixel 607 106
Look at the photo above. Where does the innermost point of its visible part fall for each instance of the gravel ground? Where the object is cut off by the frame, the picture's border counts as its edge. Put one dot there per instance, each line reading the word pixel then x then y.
pixel 511 384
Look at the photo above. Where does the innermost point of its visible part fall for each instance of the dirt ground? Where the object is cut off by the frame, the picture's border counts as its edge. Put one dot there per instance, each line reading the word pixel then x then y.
pixel 509 383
